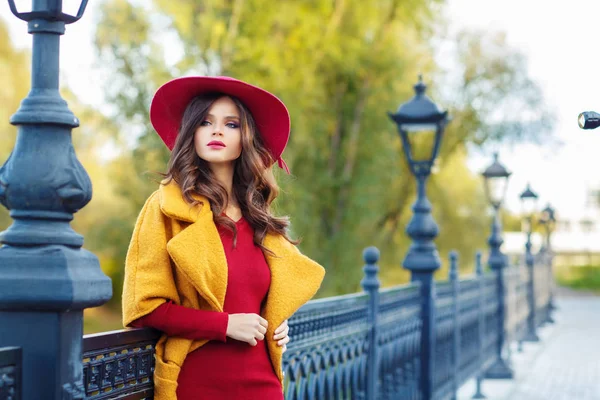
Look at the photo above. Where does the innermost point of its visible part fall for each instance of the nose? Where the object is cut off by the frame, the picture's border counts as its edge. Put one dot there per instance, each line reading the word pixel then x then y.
pixel 217 131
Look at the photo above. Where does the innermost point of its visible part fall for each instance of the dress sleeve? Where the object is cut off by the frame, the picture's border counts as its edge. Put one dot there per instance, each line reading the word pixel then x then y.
pixel 185 322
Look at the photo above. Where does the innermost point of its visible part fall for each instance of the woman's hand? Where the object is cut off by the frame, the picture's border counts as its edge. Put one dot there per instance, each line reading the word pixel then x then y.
pixel 247 328
pixel 281 334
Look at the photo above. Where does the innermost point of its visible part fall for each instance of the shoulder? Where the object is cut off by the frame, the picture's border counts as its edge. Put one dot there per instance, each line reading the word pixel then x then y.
pixel 172 203
pixel 151 211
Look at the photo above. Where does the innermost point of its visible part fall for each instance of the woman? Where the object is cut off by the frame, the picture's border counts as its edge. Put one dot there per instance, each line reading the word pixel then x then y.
pixel 208 264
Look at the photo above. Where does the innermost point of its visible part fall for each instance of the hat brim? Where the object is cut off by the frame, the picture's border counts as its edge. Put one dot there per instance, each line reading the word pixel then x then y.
pixel 171 99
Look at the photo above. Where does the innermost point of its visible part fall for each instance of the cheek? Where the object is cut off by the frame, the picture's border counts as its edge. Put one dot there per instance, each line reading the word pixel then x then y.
pixel 198 141
pixel 238 145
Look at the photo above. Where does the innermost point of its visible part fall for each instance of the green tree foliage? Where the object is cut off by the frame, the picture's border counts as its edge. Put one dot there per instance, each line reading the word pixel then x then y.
pixel 339 66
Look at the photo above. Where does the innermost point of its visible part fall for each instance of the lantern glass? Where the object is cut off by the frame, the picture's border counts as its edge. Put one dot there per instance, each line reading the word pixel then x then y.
pixel 528 205
pixel 496 189
pixel 422 140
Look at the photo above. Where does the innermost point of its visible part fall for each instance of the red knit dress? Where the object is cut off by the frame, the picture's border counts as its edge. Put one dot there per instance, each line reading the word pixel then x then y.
pixel 224 368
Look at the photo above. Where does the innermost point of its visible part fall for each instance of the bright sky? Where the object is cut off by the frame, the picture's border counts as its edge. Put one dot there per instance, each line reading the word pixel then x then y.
pixel 560 41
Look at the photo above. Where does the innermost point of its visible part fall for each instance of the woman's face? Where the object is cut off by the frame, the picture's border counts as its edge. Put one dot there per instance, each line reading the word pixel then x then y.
pixel 218 139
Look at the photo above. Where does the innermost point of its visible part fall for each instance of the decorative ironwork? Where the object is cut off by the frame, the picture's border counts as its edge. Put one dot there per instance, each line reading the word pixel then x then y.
pixel 444 345
pixel 468 320
pixel 10 373
pixel 491 316
pixel 119 363
pixel 328 353
pixel 399 342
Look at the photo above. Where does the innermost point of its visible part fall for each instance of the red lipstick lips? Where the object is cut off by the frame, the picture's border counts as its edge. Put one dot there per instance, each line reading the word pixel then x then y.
pixel 216 143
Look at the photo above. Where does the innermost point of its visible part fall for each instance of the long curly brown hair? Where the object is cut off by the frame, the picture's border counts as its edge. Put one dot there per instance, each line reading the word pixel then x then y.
pixel 254 185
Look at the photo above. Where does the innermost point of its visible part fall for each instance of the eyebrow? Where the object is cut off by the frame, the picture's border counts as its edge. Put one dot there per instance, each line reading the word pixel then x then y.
pixel 227 117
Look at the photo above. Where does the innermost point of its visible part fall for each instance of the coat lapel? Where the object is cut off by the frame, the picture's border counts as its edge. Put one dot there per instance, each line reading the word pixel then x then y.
pixel 197 250
pixel 295 279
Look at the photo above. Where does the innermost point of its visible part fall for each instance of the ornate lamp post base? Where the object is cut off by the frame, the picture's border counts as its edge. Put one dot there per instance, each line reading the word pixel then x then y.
pixel 531 337
pixel 499 370
pixel 548 319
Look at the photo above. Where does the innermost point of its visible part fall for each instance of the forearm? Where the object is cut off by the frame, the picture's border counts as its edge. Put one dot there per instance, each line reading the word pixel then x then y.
pixel 185 322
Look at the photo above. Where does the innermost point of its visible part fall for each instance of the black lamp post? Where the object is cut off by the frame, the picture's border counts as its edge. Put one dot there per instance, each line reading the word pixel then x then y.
pixel 46 277
pixel 529 203
pixel 496 181
pixel 421 125
pixel 548 220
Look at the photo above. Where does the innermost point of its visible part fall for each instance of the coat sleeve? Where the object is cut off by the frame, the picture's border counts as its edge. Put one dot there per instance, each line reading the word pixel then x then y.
pixel 148 281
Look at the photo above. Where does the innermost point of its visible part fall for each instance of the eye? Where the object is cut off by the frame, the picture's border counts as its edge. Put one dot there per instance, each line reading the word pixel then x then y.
pixel 232 125
pixel 204 123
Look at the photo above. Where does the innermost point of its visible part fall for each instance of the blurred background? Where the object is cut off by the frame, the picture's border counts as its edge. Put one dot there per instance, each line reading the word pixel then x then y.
pixel 514 75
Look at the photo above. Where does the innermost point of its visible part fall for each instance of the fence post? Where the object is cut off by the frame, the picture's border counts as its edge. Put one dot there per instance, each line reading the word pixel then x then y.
pixel 547 264
pixel 481 324
pixel 498 262
pixel 46 277
pixel 370 284
pixel 552 304
pixel 453 278
pixel 531 334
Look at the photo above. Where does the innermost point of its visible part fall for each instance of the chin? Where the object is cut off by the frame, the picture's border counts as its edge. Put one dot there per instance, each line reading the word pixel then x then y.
pixel 218 160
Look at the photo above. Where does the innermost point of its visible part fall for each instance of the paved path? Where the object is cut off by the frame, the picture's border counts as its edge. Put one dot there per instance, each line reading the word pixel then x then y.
pixel 565 365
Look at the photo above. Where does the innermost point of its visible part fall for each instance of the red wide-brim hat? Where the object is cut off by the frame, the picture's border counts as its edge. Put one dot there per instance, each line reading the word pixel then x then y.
pixel 270 114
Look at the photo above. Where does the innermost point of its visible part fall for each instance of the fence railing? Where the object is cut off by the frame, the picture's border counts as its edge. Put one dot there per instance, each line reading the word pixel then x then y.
pixel 360 346
pixel 10 373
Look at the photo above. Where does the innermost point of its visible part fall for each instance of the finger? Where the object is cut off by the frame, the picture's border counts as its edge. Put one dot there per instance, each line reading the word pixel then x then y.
pixel 262 329
pixel 284 341
pixel 259 336
pixel 282 327
pixel 253 342
pixel 284 350
pixel 264 322
pixel 283 334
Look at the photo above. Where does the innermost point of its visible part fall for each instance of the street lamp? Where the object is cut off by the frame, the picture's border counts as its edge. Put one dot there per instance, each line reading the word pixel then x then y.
pixel 421 124
pixel 588 120
pixel 496 181
pixel 529 204
pixel 46 278
pixel 548 220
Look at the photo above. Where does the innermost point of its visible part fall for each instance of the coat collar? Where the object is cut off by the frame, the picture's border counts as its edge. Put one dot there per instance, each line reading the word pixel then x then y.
pixel 174 205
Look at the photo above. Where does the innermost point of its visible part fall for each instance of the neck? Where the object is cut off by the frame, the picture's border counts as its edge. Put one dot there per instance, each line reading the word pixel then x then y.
pixel 224 175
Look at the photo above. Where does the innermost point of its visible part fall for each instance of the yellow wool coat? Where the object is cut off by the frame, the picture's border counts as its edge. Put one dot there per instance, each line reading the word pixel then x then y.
pixel 176 254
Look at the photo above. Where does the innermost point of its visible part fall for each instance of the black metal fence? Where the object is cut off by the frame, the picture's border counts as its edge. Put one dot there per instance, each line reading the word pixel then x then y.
pixel 360 346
